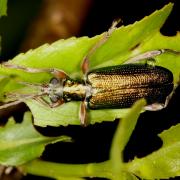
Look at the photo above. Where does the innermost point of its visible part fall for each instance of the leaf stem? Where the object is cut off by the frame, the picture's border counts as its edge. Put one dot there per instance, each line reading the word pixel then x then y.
pixel 122 135
pixel 57 170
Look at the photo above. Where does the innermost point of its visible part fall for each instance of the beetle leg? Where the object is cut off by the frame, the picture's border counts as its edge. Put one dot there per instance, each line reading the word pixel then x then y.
pixel 159 106
pixel 168 98
pixel 83 114
pixel 85 65
pixel 105 37
pixel 48 104
pixel 56 72
pixel 154 107
pixel 56 104
pixel 150 55
pixel 42 101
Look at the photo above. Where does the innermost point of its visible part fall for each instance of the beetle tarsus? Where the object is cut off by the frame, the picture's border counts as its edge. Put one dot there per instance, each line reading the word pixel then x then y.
pixel 150 55
pixel 105 37
pixel 171 51
pixel 154 107
pixel 113 26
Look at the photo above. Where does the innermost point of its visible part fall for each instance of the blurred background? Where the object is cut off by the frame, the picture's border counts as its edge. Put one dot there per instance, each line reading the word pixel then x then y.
pixel 30 24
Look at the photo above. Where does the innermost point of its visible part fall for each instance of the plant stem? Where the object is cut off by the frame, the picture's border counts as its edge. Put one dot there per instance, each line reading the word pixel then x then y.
pixel 122 136
pixel 56 170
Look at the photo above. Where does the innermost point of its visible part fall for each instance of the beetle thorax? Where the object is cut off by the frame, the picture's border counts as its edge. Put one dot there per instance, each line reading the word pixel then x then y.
pixel 74 90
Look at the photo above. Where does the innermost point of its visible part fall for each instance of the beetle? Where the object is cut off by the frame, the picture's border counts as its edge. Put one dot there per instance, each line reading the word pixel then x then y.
pixel 108 87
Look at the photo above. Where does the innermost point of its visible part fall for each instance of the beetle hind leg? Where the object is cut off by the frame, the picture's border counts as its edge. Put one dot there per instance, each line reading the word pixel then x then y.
pixel 154 107
pixel 160 106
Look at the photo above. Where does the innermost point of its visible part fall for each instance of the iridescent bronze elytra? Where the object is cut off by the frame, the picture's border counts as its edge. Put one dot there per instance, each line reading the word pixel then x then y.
pixel 121 86
pixel 108 87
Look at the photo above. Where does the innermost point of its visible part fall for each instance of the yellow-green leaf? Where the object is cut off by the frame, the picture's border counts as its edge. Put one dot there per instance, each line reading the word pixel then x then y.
pixel 20 143
pixel 161 164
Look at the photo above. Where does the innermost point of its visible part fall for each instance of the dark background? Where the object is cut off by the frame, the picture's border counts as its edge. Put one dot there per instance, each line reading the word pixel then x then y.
pixel 92 144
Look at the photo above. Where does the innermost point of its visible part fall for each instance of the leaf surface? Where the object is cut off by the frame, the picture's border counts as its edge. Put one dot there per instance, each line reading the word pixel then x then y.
pixel 3 7
pixel 20 142
pixel 161 164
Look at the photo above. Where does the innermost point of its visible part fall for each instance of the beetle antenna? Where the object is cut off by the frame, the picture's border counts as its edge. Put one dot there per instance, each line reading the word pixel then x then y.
pixel 4 106
pixel 31 84
pixel 21 98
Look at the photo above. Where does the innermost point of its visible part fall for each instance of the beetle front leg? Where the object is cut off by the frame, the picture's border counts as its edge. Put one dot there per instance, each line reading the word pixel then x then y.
pixel 150 55
pixel 48 104
pixel 55 72
pixel 105 37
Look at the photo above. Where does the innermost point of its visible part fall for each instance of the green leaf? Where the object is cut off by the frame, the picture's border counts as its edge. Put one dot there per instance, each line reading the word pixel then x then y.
pixel 68 54
pixel 162 164
pixel 3 7
pixel 20 143
pixel 3 82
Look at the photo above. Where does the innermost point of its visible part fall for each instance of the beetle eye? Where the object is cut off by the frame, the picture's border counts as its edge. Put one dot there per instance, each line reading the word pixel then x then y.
pixel 54 98
pixel 54 81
